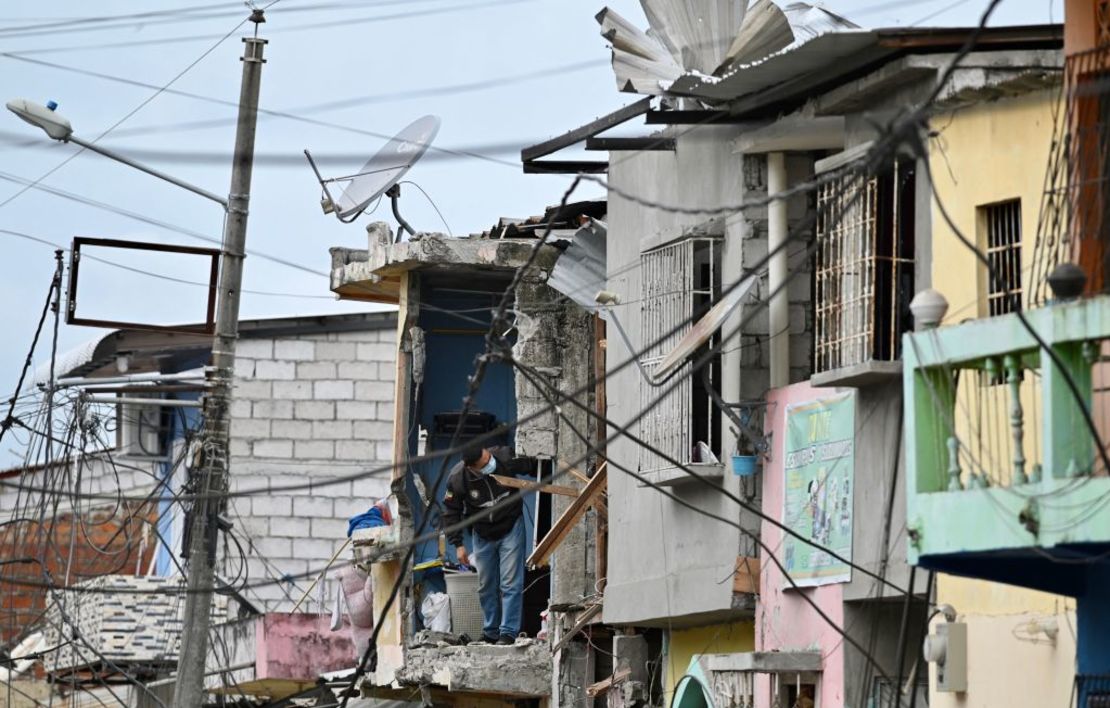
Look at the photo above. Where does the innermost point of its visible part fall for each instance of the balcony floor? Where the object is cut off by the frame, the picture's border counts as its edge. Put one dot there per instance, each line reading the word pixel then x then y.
pixel 1043 536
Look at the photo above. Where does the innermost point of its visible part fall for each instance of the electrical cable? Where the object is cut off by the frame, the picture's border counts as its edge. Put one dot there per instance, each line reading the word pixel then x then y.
pixel 438 212
pixel 314 25
pixel 142 20
pixel 158 91
pixel 55 284
pixel 748 204
pixel 766 549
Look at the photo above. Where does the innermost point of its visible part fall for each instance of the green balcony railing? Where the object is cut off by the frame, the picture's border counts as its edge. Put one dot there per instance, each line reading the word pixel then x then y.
pixel 999 453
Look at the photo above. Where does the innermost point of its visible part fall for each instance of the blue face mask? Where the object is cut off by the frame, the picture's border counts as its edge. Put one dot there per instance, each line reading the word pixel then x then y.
pixel 489 467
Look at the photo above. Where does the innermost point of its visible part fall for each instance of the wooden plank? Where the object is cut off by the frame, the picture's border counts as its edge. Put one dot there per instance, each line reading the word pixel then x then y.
pixel 746 577
pixel 407 315
pixel 574 472
pixel 583 619
pixel 562 527
pixel 601 537
pixel 517 483
pixel 586 131
pixel 596 689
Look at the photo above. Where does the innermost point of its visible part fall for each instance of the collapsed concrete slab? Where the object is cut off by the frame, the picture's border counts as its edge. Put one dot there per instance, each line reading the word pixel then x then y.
pixel 522 670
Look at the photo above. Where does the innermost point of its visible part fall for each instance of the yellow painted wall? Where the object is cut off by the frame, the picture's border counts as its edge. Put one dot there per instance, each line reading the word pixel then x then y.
pixel 1010 666
pixel 712 639
pixel 985 154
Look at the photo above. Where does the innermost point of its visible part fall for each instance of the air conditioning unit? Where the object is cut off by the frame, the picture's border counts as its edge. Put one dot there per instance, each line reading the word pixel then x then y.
pixel 141 429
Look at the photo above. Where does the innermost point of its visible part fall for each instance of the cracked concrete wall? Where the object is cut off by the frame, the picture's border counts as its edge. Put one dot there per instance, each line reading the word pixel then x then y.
pixel 555 337
pixel 572 676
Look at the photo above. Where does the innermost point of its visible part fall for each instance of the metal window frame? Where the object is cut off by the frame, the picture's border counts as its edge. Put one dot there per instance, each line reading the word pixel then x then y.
pixel 847 266
pixel 1000 239
pixel 1072 215
pixel 209 326
pixel 668 290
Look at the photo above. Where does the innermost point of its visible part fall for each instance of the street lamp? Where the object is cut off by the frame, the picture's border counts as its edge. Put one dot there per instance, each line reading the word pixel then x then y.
pixel 59 128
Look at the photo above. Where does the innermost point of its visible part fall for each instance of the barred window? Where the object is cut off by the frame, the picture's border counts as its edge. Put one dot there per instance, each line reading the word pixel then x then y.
pixel 864 267
pixel 679 283
pixel 1001 227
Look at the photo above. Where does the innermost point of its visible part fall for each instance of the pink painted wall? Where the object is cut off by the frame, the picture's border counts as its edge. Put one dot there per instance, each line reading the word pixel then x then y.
pixel 784 621
pixel 300 646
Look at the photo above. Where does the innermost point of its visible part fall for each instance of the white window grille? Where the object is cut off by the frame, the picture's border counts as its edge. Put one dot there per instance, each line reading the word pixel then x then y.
pixel 864 269
pixel 680 282
pixel 1002 224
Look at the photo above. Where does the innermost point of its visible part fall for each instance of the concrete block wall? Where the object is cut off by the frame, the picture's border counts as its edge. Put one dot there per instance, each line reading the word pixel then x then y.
pixel 756 348
pixel 556 339
pixel 307 410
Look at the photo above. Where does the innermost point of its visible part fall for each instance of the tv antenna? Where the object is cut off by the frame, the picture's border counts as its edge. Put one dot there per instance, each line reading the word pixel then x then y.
pixel 380 175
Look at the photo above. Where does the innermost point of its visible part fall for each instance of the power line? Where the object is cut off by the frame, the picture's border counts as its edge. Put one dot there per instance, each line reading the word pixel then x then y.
pixel 368 99
pixel 161 276
pixel 158 91
pixel 181 16
pixel 298 28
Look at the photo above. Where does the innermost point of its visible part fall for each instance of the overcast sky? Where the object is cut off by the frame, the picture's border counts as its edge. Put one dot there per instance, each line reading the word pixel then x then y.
pixel 512 73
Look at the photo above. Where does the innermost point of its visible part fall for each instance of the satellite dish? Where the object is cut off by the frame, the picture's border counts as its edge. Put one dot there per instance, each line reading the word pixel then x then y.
pixel 380 175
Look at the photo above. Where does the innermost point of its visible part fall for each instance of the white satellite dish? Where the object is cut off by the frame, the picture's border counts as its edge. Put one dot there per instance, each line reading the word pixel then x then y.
pixel 380 175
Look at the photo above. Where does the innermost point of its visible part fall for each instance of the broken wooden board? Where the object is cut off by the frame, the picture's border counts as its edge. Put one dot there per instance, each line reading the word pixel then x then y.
pixel 562 527
pixel 596 689
pixel 745 578
pixel 517 483
pixel 583 619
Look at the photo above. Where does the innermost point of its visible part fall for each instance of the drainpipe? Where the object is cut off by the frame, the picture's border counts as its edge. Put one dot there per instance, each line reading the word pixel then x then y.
pixel 780 301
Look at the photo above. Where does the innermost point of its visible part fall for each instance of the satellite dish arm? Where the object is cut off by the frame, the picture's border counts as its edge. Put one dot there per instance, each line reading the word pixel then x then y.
pixel 394 194
pixel 328 202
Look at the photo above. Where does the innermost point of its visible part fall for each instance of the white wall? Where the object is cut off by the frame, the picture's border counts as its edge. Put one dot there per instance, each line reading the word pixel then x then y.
pixel 307 408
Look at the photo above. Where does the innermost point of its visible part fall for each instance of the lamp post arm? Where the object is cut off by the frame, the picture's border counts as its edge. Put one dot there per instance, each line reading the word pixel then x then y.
pixel 149 170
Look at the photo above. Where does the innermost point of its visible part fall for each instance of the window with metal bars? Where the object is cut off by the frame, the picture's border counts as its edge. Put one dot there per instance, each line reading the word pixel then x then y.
pixel 679 283
pixel 1000 225
pixel 1093 691
pixel 1074 217
pixel 864 267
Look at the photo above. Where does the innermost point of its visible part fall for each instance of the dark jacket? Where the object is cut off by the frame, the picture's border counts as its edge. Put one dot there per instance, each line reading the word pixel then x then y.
pixel 469 495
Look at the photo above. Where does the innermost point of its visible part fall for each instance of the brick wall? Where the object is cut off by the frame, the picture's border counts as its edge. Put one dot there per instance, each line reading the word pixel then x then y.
pixel 307 408
pixel 103 541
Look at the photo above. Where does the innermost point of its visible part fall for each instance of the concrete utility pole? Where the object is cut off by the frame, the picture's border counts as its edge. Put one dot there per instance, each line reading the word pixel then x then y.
pixel 212 476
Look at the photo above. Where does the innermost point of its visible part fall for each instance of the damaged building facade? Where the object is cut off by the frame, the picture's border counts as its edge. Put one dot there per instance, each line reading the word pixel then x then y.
pixel 789 584
pixel 448 291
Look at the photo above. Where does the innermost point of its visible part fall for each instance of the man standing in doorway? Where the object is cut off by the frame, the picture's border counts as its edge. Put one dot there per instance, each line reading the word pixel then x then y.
pixel 498 526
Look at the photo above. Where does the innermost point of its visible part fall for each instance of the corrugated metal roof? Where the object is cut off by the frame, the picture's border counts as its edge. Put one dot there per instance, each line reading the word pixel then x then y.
pixel 580 271
pixel 790 63
pixel 795 72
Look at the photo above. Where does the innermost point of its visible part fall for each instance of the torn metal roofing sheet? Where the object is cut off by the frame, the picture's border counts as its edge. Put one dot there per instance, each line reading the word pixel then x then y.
pixel 697 33
pixel 580 271
pixel 785 65
pixel 706 37
pixel 828 58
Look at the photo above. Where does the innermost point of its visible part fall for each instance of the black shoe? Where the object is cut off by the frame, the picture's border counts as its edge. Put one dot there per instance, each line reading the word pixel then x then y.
pixel 505 640
pixel 486 639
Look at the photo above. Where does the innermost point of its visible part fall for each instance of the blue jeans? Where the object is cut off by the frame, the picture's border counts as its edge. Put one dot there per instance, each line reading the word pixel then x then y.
pixel 501 581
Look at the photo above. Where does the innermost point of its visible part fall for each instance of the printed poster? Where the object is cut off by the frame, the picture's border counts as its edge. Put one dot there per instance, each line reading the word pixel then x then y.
pixel 817 489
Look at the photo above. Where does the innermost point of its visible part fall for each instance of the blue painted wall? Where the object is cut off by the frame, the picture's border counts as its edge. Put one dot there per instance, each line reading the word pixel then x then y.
pixel 454 324
pixel 183 421
pixel 1093 618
